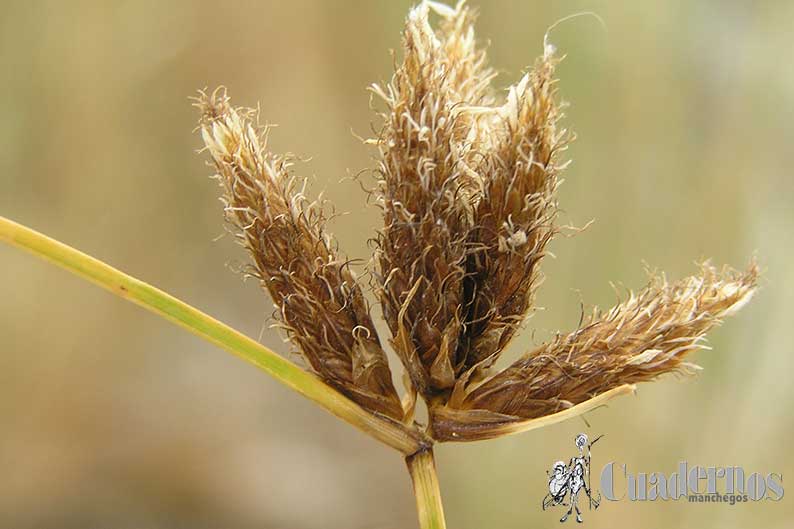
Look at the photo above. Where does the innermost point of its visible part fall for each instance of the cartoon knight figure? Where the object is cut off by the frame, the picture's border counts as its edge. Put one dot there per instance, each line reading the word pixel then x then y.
pixel 575 484
pixel 571 479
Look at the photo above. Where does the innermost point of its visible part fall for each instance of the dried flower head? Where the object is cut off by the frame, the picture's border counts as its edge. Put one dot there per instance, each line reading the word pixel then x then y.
pixel 468 194
pixel 467 185
pixel 319 301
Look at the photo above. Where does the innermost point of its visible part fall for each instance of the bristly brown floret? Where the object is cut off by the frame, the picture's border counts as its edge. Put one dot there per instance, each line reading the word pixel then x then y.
pixel 649 334
pixel 426 189
pixel 319 301
pixel 514 218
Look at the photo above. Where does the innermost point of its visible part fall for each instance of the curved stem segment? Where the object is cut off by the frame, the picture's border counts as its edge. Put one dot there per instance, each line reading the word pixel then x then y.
pixel 404 439
pixel 422 468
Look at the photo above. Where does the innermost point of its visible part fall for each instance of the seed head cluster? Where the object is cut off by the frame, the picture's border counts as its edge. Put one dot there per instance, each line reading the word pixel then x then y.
pixel 467 185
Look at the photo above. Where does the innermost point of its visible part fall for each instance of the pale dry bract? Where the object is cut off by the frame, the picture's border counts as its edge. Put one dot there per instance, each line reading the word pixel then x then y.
pixel 468 188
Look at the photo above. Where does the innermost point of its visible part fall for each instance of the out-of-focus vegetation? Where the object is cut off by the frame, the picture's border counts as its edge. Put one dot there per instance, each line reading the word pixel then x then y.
pixel 110 417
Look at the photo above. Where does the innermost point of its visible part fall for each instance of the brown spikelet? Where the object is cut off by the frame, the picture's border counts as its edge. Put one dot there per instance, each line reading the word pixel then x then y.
pixel 649 334
pixel 514 219
pixel 426 190
pixel 320 303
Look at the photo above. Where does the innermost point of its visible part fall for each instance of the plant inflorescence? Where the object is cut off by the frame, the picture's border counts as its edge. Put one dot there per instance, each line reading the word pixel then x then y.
pixel 467 184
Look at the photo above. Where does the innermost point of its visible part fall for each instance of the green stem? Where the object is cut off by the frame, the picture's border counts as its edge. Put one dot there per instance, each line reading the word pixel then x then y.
pixel 406 440
pixel 422 468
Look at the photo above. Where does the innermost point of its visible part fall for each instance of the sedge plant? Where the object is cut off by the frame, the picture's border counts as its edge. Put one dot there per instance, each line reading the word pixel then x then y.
pixel 466 181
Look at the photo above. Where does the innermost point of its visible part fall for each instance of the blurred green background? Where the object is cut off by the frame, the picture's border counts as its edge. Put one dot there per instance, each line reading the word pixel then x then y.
pixel 113 418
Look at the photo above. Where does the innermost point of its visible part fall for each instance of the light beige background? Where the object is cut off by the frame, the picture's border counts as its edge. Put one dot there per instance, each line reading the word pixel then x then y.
pixel 112 418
